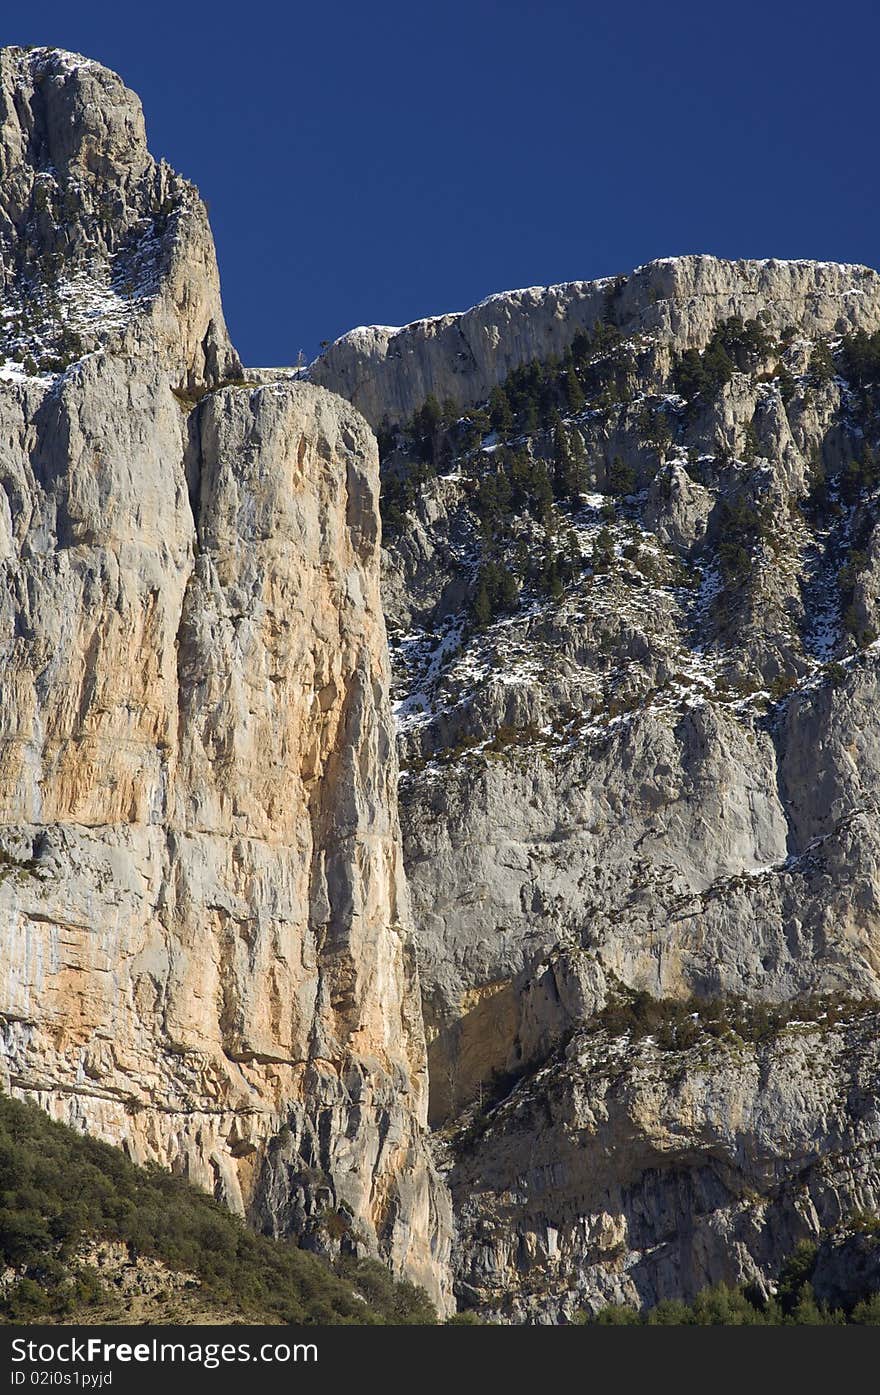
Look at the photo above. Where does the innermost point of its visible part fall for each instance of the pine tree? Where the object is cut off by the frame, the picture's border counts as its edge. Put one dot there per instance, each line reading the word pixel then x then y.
pixel 621 479
pixel 603 550
pixel 568 463
pixel 574 393
pixel 808 1313
pixel 867 1313
pixel 541 490
pixel 482 607
pixel 531 417
pixel 751 444
pixel 425 427
pixel 428 417
pixel 786 383
pixel 500 413
pixel 821 365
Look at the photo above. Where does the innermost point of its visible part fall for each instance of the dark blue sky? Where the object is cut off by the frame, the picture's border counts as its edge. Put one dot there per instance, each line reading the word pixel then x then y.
pixel 375 162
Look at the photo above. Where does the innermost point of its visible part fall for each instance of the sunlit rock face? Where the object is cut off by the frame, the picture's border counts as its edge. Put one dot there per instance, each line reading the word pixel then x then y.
pixel 633 610
pixel 206 937
pixel 387 372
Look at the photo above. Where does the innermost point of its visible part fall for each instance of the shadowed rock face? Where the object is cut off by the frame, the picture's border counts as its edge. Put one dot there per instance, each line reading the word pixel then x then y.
pixel 206 934
pixel 624 1173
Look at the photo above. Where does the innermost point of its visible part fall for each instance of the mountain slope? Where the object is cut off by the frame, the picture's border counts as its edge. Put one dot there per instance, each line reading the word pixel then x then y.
pixel 630 578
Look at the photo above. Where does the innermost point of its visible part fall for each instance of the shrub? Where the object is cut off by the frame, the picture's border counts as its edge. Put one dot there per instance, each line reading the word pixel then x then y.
pixel 532 490
pixel 569 463
pixel 821 366
pixel 492 497
pixel 495 591
pixel 574 393
pixel 656 429
pixel 744 524
pixel 621 478
pixel 400 488
pixel 678 1023
pixel 786 382
pixel 500 413
pixel 733 345
pixel 58 1187
pixel 603 550
pixel 860 476
pixel 860 358
pixel 738 1306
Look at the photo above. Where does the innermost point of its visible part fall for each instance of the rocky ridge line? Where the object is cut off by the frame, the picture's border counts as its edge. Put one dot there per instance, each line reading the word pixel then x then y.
pixel 387 373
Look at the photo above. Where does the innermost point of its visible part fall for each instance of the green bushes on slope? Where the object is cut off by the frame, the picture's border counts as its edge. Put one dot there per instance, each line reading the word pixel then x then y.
pixel 793 1304
pixel 58 1187
pixel 734 345
pixel 679 1023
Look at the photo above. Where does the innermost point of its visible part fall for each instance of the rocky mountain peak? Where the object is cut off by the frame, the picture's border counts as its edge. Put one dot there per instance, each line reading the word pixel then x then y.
pixel 100 245
pixel 67 114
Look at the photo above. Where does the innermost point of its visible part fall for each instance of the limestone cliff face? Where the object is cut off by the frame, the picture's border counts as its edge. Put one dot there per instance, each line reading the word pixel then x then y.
pixel 101 245
pixel 388 372
pixel 651 1173
pixel 633 610
pixel 636 668
pixel 207 953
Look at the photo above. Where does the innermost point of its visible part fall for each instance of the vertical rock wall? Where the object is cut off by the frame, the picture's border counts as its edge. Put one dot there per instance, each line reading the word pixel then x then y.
pixel 205 929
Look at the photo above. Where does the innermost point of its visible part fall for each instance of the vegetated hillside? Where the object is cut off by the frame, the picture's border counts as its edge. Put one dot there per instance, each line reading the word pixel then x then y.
pixel 632 603
pixel 87 1236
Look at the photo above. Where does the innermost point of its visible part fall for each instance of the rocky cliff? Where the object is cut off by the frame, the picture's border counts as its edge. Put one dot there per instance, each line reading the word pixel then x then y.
pixel 633 1168
pixel 631 578
pixel 207 946
pixel 630 569
pixel 389 372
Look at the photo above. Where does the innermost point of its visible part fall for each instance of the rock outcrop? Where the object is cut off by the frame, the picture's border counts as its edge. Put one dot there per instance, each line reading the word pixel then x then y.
pixel 652 1173
pixel 633 611
pixel 207 945
pixel 101 245
pixel 388 372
